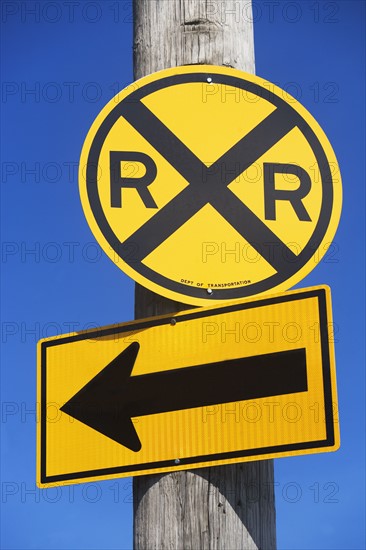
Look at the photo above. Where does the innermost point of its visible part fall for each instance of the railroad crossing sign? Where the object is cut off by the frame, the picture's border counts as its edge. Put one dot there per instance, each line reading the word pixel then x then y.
pixel 207 184
pixel 246 381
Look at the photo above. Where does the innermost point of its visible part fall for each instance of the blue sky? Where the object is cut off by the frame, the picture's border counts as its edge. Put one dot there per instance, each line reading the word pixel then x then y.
pixel 61 63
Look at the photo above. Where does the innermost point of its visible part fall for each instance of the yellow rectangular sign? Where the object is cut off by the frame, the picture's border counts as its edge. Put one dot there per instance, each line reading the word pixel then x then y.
pixel 244 381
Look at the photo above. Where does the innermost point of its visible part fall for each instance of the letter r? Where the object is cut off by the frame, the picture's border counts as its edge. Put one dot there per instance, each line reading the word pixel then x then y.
pixel 294 197
pixel 140 184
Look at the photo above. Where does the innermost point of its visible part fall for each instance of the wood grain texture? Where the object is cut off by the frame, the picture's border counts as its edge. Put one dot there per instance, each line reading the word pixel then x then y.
pixel 225 507
pixel 168 33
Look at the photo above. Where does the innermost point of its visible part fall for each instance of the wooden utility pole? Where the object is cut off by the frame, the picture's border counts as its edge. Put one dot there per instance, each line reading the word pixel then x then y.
pixel 224 507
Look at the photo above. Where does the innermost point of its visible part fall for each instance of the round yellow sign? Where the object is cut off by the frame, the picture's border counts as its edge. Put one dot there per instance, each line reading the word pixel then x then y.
pixel 207 184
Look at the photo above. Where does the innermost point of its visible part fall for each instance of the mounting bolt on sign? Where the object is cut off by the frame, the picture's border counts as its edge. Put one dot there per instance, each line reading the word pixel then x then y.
pixel 206 184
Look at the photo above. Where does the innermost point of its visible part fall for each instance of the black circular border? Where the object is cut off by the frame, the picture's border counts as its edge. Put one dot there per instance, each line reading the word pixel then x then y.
pixel 180 288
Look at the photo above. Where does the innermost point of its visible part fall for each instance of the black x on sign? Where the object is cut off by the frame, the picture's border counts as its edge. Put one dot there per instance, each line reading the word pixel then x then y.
pixel 204 183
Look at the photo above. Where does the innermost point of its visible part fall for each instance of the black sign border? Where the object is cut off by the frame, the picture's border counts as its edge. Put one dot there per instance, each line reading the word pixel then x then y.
pixel 329 441
pixel 180 288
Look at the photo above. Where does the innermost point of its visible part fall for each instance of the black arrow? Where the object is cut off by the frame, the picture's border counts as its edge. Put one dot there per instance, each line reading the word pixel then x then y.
pixel 112 398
